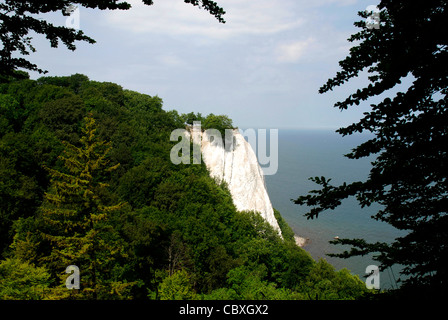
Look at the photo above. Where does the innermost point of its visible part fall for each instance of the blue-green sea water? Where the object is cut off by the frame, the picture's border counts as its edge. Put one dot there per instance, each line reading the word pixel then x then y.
pixel 309 153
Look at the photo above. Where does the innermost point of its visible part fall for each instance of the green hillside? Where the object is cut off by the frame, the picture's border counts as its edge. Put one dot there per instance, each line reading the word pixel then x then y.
pixel 86 180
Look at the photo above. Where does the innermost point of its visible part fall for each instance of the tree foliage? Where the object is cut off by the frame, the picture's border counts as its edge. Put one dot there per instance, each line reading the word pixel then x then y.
pixel 175 232
pixel 409 175
pixel 177 287
pixel 74 215
pixel 323 283
pixel 23 281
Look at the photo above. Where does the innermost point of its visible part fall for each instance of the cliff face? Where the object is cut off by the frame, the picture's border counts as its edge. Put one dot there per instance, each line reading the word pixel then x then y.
pixel 236 164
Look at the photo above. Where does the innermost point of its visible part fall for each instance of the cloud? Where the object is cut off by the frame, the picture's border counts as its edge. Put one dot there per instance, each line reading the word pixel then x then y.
pixel 293 51
pixel 174 17
pixel 269 53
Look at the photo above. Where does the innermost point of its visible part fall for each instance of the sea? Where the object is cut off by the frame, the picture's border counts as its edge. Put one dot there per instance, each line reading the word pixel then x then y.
pixel 305 153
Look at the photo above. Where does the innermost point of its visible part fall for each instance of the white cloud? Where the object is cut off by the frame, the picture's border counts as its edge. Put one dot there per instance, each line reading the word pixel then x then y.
pixel 293 51
pixel 269 53
pixel 174 17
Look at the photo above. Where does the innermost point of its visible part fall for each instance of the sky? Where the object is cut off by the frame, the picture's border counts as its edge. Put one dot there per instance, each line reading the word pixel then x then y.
pixel 263 67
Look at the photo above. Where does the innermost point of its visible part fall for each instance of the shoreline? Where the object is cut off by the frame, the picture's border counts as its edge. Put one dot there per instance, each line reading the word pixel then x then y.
pixel 300 241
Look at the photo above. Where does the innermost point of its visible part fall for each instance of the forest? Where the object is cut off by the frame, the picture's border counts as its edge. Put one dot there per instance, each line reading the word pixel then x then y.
pixel 86 180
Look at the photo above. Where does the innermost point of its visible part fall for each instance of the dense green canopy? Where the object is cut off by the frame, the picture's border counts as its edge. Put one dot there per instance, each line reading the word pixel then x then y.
pixel 146 229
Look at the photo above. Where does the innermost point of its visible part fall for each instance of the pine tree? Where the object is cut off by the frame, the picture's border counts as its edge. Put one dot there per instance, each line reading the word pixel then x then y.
pixel 75 217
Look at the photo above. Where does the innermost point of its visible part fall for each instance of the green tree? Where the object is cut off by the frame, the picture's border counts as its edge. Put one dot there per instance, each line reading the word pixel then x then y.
pixel 287 232
pixel 23 281
pixel 324 283
pixel 74 215
pixel 18 19
pixel 177 287
pixel 246 284
pixel 189 118
pixel 146 242
pixel 63 116
pixel 217 122
pixel 19 189
pixel 410 142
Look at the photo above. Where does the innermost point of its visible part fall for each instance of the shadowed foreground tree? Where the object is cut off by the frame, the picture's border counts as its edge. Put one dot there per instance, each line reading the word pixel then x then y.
pixel 18 19
pixel 409 176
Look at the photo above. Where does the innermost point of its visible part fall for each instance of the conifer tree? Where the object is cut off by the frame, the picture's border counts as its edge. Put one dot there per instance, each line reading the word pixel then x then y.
pixel 75 216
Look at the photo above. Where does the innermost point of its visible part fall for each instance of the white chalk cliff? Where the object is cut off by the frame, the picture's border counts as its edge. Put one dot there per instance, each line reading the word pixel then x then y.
pixel 236 164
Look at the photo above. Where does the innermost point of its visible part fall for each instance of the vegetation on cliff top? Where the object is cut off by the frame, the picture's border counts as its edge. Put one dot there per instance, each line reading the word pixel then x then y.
pixel 86 179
